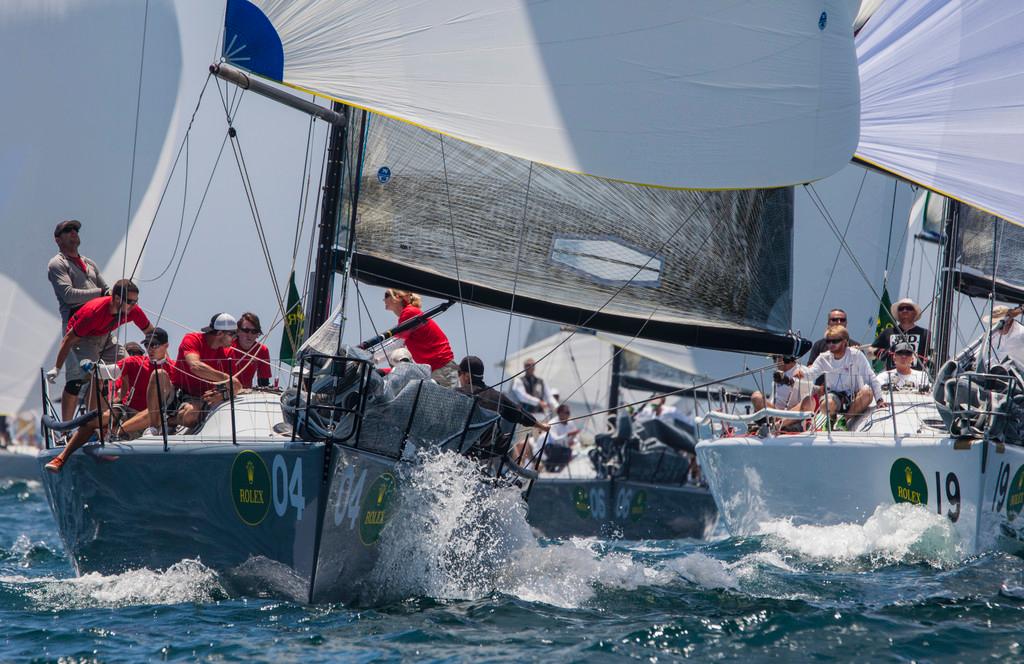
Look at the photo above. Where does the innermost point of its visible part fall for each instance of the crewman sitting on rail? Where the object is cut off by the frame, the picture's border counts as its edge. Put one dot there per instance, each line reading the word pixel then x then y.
pixel 904 377
pixel 202 366
pixel 790 393
pixel 850 384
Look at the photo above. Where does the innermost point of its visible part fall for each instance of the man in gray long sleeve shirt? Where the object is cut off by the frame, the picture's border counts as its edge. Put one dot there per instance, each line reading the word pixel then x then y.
pixel 75 280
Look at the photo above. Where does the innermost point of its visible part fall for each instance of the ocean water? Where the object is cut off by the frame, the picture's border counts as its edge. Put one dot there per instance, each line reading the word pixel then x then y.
pixel 896 588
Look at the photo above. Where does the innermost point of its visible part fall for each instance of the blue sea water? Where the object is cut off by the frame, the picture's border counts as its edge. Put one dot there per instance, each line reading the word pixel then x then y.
pixel 893 589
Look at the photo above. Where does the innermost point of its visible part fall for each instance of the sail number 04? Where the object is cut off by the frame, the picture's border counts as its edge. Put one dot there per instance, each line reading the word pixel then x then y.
pixel 287 487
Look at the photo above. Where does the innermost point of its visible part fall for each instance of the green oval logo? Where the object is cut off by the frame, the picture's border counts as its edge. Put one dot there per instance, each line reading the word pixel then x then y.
pixel 638 506
pixel 1015 498
pixel 250 487
pixel 908 483
pixel 580 502
pixel 376 508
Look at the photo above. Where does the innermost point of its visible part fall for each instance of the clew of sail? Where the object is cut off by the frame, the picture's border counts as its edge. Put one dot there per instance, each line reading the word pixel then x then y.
pixel 942 99
pixel 700 94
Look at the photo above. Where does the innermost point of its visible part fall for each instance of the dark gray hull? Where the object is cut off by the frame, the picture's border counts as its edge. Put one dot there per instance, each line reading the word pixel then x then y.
pixel 620 508
pixel 18 466
pixel 247 511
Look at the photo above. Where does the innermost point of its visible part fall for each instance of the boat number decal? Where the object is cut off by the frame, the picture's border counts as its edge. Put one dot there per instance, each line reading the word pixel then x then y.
pixel 1002 485
pixel 952 495
pixel 349 491
pixel 250 487
pixel 630 504
pixel 908 483
pixel 377 503
pixel 580 502
pixel 1015 499
pixel 288 492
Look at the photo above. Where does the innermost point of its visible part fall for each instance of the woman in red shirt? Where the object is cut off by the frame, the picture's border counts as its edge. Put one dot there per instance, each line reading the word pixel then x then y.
pixel 427 343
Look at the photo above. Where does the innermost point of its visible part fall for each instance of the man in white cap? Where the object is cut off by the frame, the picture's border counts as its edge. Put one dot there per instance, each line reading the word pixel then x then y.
pixel 202 364
pixel 903 377
pixel 906 314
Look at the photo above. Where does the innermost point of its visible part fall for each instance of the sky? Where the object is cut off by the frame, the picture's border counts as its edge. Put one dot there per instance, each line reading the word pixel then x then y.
pixel 103 118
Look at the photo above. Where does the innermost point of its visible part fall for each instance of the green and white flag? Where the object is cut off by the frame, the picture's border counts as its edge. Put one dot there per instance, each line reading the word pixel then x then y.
pixel 294 324
pixel 885 321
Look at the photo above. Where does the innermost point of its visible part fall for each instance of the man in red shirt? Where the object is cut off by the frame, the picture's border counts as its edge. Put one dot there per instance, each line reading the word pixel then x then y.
pixel 137 394
pixel 88 331
pixel 202 365
pixel 251 359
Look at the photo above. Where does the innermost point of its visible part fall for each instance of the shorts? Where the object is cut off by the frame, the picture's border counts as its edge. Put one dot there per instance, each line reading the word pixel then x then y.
pixel 447 375
pixel 97 348
pixel 844 399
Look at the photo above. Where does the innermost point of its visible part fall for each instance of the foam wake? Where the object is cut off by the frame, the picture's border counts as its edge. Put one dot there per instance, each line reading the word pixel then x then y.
pixel 894 533
pixel 186 581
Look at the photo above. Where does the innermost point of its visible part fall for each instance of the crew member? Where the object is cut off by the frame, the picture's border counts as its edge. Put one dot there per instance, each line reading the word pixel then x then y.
pixel 75 280
pixel 427 343
pixel 903 376
pixel 202 366
pixel 849 381
pixel 531 391
pixel 251 358
pixel 906 313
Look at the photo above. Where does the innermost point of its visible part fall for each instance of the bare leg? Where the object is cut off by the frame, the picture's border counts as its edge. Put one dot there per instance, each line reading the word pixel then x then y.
pixel 82 434
pixel 68 404
pixel 861 402
pixel 758 401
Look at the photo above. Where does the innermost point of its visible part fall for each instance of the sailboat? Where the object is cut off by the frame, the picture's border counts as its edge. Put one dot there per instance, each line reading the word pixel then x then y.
pixel 948 119
pixel 478 173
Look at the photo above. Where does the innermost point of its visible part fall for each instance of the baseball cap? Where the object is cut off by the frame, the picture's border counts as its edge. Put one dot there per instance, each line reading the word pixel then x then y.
pixel 222 322
pixel 474 366
pixel 904 347
pixel 157 337
pixel 67 223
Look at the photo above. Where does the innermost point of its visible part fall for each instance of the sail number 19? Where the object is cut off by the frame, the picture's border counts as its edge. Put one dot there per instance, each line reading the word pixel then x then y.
pixel 952 491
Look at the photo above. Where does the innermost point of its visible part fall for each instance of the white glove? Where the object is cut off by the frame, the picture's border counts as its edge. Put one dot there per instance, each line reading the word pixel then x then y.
pixel 52 374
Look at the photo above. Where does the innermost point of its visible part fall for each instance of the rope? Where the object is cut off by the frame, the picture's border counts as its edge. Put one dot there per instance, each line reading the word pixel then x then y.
pixel 835 263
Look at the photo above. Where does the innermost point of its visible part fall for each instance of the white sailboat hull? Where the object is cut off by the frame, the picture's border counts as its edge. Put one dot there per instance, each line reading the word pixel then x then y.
pixel 815 480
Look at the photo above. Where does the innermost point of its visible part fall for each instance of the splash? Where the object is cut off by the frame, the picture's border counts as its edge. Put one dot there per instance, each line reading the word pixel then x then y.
pixel 894 533
pixel 455 537
pixel 186 581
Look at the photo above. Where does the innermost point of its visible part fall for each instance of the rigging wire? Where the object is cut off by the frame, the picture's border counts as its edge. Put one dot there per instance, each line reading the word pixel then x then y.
pixel 455 250
pixel 167 182
pixel 515 279
pixel 135 142
pixel 839 251
pixel 181 221
pixel 823 210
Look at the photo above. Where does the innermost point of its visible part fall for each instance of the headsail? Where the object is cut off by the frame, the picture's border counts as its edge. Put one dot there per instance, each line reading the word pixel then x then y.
pixel 700 94
pixel 942 99
pixel 989 247
pixel 708 269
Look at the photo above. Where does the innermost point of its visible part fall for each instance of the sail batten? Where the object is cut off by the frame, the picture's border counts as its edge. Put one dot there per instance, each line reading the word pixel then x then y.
pixel 670 94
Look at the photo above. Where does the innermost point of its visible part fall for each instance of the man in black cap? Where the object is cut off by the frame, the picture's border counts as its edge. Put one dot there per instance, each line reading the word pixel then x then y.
pixel 75 280
pixel 471 382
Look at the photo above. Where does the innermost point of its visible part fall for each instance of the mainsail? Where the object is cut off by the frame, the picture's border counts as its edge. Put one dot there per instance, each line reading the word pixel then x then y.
pixel 698 94
pixel 991 256
pixel 708 269
pixel 942 99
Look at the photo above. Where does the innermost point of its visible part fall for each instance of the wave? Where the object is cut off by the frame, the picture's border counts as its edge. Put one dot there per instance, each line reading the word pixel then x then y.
pixel 185 581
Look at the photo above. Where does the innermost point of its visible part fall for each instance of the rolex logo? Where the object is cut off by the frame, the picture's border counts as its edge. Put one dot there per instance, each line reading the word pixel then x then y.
pixel 909 475
pixel 250 471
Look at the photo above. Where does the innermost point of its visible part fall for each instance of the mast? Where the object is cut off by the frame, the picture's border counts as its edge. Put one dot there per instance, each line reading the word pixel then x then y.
pixel 944 317
pixel 613 389
pixel 330 211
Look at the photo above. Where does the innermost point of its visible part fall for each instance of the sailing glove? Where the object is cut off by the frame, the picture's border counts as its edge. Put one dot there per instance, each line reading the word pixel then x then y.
pixel 52 374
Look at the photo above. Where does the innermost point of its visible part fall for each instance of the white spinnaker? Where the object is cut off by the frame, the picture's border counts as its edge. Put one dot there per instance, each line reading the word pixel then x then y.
pixel 67 152
pixel 698 94
pixel 942 98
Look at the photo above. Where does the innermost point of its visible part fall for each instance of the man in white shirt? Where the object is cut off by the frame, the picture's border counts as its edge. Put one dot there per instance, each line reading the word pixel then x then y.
pixel 561 438
pixel 850 383
pixel 656 410
pixel 790 393
pixel 531 392
pixel 1007 338
pixel 903 376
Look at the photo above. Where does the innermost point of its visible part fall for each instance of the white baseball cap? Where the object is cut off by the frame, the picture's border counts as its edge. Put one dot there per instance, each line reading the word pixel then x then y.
pixel 221 323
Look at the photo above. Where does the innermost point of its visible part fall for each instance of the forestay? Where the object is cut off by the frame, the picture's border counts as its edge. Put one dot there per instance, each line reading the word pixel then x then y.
pixel 441 216
pixel 942 98
pixel 697 94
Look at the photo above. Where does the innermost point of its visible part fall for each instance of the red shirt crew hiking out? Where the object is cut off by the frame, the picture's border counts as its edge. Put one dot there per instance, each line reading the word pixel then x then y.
pixel 427 342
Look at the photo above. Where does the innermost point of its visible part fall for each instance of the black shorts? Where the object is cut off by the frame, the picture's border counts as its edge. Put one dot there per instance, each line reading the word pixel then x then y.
pixel 844 399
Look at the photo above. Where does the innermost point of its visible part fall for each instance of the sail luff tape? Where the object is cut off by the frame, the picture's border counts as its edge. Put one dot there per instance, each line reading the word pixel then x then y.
pixel 246 82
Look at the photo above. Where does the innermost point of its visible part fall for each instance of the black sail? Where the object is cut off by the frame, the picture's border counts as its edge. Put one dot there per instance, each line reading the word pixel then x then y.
pixel 450 219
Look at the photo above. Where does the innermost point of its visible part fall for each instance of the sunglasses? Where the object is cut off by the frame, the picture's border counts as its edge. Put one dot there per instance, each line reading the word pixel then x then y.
pixel 834 341
pixel 68 230
pixel 837 319
pixel 904 352
pixel 132 303
pixel 905 307
pixel 249 330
